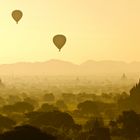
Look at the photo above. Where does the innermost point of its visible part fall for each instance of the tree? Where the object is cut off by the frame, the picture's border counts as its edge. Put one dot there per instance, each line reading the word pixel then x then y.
pixel 1 84
pixel 69 97
pixel 56 119
pixel 50 130
pixel 26 132
pixel 2 101
pixel 6 123
pixel 135 91
pixel 12 99
pixel 97 130
pixel 130 125
pixel 92 137
pixel 88 107
pixel 135 97
pixel 83 136
pixel 93 123
pixel 132 101
pixel 49 97
pixel 31 101
pixel 61 105
pixel 47 107
pixel 102 133
pixel 114 129
pixel 23 107
pixel 93 107
pixel 7 109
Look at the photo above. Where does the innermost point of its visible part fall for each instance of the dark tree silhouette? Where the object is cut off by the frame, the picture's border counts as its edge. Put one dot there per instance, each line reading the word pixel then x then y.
pixel 92 137
pixel 47 107
pixel 88 107
pixel 93 107
pixel 56 119
pixel 83 136
pixel 20 107
pixel 12 99
pixel 23 107
pixel 130 122
pixel 26 132
pixel 114 129
pixel 69 97
pixel 7 109
pixel 61 105
pixel 49 97
pixel 6 123
pixel 132 101
pixel 135 91
pixel 2 101
pixel 31 101
pixel 94 123
pixel 102 133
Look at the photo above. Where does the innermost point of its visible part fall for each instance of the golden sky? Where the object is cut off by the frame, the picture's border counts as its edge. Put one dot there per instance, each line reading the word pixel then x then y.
pixel 95 29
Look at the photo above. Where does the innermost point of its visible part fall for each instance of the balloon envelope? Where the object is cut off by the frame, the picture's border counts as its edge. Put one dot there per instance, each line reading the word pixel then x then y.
pixel 17 15
pixel 59 41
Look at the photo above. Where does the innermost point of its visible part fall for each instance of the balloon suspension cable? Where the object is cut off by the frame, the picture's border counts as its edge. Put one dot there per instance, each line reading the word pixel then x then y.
pixel 59 50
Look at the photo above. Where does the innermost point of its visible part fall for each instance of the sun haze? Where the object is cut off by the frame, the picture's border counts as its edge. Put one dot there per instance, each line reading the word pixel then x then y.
pixel 98 30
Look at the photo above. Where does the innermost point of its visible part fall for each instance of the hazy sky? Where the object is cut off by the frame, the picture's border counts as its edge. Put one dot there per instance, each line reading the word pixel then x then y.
pixel 95 29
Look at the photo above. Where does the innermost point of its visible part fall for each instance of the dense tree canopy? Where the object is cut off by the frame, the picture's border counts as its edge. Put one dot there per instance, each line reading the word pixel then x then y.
pixel 26 132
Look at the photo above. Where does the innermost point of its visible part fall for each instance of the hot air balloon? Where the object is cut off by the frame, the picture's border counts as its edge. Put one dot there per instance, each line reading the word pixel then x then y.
pixel 59 41
pixel 17 15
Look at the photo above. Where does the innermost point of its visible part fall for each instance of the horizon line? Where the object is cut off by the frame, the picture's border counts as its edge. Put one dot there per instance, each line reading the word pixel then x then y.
pixel 76 63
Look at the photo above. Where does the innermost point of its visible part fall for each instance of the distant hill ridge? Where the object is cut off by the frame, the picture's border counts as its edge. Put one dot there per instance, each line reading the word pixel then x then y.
pixel 59 67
